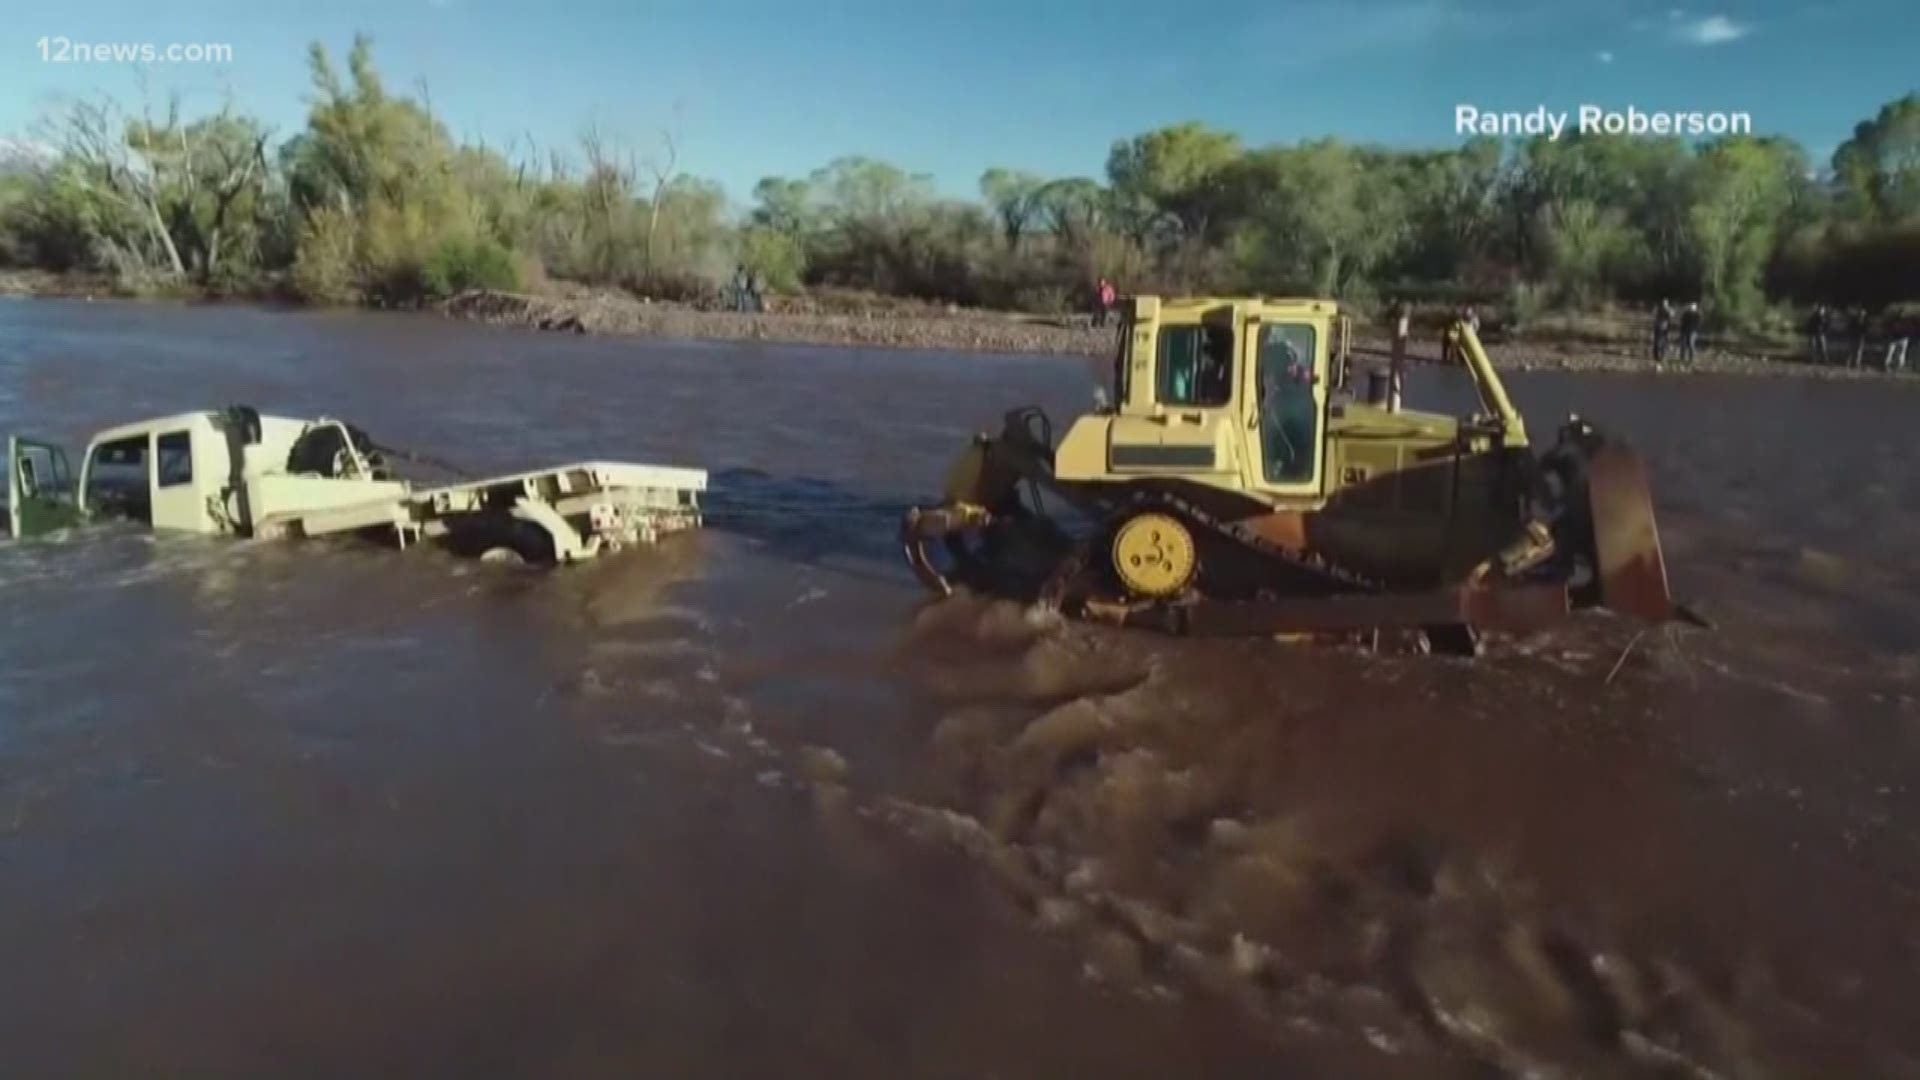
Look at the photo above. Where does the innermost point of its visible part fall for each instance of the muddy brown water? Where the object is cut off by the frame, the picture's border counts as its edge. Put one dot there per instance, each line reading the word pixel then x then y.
pixel 747 805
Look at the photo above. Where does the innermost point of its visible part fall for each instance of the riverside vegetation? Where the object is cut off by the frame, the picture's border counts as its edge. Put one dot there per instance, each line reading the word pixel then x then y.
pixel 374 201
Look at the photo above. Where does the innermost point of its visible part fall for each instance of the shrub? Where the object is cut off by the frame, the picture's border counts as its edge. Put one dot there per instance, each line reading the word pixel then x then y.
pixel 1044 300
pixel 1525 303
pixel 323 265
pixel 233 280
pixel 1850 266
pixel 775 256
pixel 674 286
pixel 457 265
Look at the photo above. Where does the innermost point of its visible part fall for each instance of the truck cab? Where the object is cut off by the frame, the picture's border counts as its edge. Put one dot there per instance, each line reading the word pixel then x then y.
pixel 198 472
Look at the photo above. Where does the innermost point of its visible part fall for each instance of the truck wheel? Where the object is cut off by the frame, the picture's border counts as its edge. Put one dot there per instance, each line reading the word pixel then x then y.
pixel 502 556
pixel 503 541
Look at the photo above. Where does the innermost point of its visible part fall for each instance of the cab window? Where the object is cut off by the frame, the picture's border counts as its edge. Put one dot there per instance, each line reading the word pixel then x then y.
pixel 117 478
pixel 174 463
pixel 1194 366
pixel 1289 412
pixel 43 471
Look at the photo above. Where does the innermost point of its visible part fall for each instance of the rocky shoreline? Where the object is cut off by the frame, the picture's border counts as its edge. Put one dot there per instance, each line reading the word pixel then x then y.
pixel 884 323
pixel 924 327
pixel 905 326
pixel 48 283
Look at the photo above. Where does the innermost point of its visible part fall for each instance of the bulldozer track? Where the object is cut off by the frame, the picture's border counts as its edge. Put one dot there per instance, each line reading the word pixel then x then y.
pixel 1307 563
pixel 1056 592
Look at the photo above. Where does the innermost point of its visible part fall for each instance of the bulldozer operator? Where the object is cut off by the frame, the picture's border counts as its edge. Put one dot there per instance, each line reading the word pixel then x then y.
pixel 1287 406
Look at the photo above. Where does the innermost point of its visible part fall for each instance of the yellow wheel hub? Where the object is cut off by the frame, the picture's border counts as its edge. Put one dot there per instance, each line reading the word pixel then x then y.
pixel 1153 554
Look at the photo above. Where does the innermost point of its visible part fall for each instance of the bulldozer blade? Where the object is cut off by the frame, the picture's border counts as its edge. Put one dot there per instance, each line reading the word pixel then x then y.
pixel 1626 541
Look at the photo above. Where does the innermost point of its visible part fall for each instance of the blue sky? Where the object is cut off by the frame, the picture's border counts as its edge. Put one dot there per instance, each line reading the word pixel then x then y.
pixel 951 88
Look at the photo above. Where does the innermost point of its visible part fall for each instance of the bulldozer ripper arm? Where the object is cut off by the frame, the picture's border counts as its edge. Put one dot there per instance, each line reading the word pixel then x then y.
pixel 1493 393
pixel 937 523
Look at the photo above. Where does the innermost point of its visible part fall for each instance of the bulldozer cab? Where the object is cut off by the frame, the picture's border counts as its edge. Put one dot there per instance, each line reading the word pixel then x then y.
pixel 1233 390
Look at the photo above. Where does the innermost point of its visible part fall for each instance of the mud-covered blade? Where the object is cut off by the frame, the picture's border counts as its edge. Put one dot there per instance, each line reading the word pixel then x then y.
pixel 1626 541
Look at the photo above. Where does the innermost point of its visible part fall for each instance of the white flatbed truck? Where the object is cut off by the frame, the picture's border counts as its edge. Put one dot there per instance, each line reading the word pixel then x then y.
pixel 237 472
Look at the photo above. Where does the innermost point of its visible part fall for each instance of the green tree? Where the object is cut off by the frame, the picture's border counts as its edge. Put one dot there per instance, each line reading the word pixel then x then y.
pixel 1582 241
pixel 1452 200
pixel 784 205
pixel 209 182
pixel 867 208
pixel 773 255
pixel 1172 173
pixel 1879 167
pixel 866 190
pixel 394 175
pixel 1013 198
pixel 1073 210
pixel 1319 216
pixel 1741 189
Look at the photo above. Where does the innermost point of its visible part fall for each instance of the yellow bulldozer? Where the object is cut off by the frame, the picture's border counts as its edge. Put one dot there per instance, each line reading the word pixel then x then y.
pixel 1235 484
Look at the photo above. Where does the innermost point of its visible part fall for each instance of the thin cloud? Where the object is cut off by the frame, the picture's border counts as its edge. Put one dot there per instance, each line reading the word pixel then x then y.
pixel 1650 21
pixel 23 155
pixel 1604 56
pixel 1339 31
pixel 1713 30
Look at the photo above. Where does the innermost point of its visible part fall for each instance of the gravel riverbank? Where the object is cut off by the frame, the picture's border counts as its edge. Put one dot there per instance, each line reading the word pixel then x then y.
pixel 880 322
pixel 928 327
pixel 922 327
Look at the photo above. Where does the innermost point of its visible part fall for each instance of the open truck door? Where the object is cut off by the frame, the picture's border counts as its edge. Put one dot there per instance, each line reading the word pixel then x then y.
pixel 40 489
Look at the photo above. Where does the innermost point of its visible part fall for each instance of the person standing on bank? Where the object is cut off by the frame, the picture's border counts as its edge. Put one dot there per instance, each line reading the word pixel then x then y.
pixel 737 289
pixel 1899 334
pixel 1662 329
pixel 1817 326
pixel 1859 319
pixel 1402 337
pixel 1690 332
